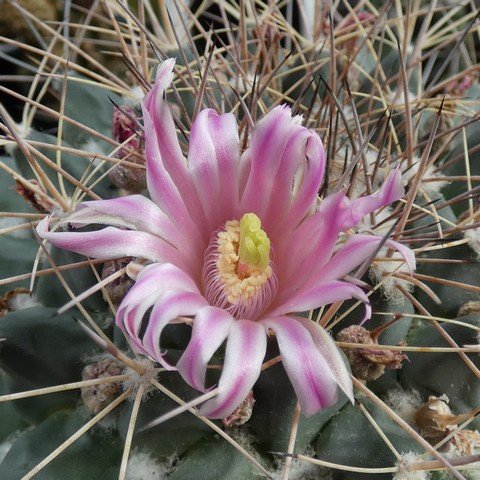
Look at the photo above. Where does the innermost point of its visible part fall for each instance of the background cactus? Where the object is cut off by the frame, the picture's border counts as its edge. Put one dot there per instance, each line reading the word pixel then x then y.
pixel 384 85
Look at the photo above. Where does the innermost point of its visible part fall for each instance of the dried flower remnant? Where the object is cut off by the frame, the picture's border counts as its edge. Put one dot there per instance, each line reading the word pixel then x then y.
pixel 459 87
pixel 405 470
pixel 435 418
pixel 468 308
pixel 39 202
pixel 229 240
pixel 464 442
pixel 349 28
pixel 241 414
pixel 368 363
pixel 97 397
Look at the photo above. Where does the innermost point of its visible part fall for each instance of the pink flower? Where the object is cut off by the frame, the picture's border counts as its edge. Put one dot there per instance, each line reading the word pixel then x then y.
pixel 238 244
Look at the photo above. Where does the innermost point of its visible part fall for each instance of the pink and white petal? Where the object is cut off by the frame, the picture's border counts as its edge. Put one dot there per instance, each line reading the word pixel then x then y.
pixel 210 329
pixel 224 131
pixel 112 242
pixel 162 188
pixel 306 368
pixel 161 129
pixel 163 80
pixel 391 191
pixel 245 351
pixel 356 250
pixel 151 282
pixel 213 157
pixel 330 352
pixel 319 295
pixel 315 238
pixel 261 161
pixel 135 212
pixel 309 247
pixel 133 318
pixel 161 277
pixel 307 182
pixel 292 166
pixel 168 307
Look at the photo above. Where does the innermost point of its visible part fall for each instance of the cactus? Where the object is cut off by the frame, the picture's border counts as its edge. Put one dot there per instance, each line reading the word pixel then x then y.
pixel 387 87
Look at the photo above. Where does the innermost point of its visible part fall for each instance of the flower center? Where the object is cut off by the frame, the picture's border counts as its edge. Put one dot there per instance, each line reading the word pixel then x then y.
pixel 238 273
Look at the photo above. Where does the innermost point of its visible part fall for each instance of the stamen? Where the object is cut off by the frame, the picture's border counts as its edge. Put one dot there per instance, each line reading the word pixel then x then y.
pixel 240 279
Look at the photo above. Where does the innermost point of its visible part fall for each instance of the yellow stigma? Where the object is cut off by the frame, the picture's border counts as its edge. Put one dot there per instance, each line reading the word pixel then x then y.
pixel 254 245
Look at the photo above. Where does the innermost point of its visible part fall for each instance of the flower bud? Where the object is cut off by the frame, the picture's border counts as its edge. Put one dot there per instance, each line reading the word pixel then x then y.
pixel 124 131
pixel 117 289
pixel 97 397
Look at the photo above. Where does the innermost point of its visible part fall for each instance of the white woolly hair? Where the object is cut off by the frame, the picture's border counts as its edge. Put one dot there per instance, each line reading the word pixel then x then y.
pixel 22 301
pixel 134 379
pixel 381 269
pixel 93 146
pixel 142 466
pixel 429 187
pixel 473 237
pixel 13 222
pixel 404 472
pixel 301 470
pixel 22 132
pixel 404 402
pixel 135 98
pixel 398 98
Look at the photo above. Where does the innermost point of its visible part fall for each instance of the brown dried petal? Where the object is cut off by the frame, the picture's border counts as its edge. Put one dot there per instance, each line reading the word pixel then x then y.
pixel 391 359
pixel 434 418
pixel 5 300
pixel 39 203
pixel 368 364
pixel 125 129
pixel 465 442
pixel 468 308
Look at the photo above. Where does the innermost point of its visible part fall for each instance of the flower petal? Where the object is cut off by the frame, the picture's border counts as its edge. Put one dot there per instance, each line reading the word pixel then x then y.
pixel 330 352
pixel 298 181
pixel 321 294
pixel 391 191
pixel 151 283
pixel 213 157
pixel 246 347
pixel 162 188
pixel 356 250
pixel 167 172
pixel 112 242
pixel 315 238
pixel 262 160
pixel 135 212
pixel 168 307
pixel 210 329
pixel 306 368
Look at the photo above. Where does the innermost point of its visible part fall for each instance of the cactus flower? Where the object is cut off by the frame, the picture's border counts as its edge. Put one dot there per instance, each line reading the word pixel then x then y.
pixel 239 243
